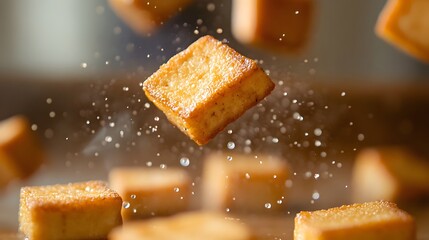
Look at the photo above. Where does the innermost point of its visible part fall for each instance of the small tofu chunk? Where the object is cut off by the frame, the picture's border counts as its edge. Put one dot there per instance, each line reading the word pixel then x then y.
pixel 189 226
pixel 148 192
pixel 206 87
pixel 244 184
pixel 405 24
pixel 87 210
pixel 280 25
pixel 391 174
pixel 369 221
pixel 20 152
pixel 145 16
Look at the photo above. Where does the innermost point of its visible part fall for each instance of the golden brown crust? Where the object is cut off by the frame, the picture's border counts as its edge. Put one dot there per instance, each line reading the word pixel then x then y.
pixel 87 210
pixel 372 220
pixel 394 14
pixel 242 183
pixel 145 16
pixel 205 87
pixel 279 25
pixel 193 225
pixel 68 196
pixel 20 152
pixel 151 192
pixel 389 173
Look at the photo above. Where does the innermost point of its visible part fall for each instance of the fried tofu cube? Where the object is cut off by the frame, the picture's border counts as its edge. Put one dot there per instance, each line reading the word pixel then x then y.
pixel 391 174
pixel 370 221
pixel 144 17
pixel 244 184
pixel 20 152
pixel 405 24
pixel 206 87
pixel 189 226
pixel 87 210
pixel 280 25
pixel 149 192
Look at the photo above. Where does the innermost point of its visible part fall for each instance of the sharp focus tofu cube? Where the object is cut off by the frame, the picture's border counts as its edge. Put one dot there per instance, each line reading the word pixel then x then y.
pixel 405 24
pixel 391 174
pixel 205 87
pixel 280 25
pixel 148 192
pixel 188 226
pixel 144 17
pixel 244 184
pixel 87 210
pixel 20 152
pixel 369 221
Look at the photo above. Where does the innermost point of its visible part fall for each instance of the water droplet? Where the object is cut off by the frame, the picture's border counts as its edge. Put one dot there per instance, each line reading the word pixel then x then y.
pixel 315 195
pixel 126 205
pixel 184 161
pixel 108 139
pixel 211 7
pixel 267 205
pixel 317 131
pixel 133 196
pixel 176 189
pixel 230 145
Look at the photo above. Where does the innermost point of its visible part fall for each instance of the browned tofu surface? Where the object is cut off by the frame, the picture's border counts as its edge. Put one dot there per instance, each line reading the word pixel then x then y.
pixel 405 24
pixel 205 87
pixel 87 210
pixel 20 152
pixel 242 183
pixel 189 226
pixel 371 221
pixel 280 25
pixel 145 16
pixel 391 174
pixel 148 192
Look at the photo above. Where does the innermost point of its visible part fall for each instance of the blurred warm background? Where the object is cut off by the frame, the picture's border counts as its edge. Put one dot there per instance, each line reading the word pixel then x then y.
pixel 75 70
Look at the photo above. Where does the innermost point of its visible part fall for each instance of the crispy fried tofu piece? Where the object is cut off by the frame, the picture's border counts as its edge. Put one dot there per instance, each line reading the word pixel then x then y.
pixel 391 174
pixel 189 226
pixel 20 152
pixel 149 192
pixel 206 87
pixel 369 221
pixel 145 16
pixel 244 184
pixel 87 210
pixel 280 25
pixel 405 24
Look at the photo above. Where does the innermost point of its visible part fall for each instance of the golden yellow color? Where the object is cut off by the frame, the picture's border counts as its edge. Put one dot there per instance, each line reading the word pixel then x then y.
pixel 245 184
pixel 405 24
pixel 186 226
pixel 391 174
pixel 370 221
pixel 87 210
pixel 280 25
pixel 20 151
pixel 145 16
pixel 148 192
pixel 206 87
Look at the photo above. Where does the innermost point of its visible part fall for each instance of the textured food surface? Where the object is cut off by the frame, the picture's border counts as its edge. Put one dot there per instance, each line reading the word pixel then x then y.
pixel 198 225
pixel 355 215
